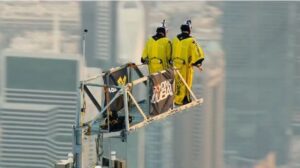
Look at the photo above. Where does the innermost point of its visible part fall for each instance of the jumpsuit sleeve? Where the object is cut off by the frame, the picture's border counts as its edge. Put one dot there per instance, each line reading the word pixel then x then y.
pixel 169 53
pixel 174 42
pixel 197 54
pixel 145 53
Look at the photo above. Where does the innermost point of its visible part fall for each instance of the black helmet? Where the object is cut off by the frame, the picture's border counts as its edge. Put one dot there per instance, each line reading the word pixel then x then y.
pixel 187 27
pixel 161 30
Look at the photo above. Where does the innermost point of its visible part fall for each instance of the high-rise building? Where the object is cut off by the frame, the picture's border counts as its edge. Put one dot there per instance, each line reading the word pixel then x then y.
pixel 38 108
pixel 294 60
pixel 158 144
pixel 257 93
pixel 99 18
pixel 130 31
pixel 115 32
pixel 293 69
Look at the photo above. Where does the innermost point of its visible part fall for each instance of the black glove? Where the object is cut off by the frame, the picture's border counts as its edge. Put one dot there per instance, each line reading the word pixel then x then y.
pixel 198 63
pixel 144 61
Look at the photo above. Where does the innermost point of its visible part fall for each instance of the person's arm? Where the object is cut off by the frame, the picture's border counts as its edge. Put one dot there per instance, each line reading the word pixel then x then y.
pixel 145 54
pixel 197 54
pixel 169 53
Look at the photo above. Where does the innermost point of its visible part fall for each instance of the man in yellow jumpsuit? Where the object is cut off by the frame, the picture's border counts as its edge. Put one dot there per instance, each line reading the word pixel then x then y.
pixel 186 53
pixel 157 52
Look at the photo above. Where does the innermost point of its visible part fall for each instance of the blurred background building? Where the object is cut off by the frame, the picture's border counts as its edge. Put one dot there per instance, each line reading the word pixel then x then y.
pixel 38 108
pixel 99 18
pixel 294 64
pixel 116 32
pixel 259 92
pixel 38 90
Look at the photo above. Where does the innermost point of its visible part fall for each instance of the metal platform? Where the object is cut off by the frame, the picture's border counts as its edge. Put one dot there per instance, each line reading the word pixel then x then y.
pixel 139 122
pixel 139 112
pixel 135 114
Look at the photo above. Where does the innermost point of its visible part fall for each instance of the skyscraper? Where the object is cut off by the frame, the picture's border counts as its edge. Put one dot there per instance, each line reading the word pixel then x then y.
pixel 116 32
pixel 99 18
pixel 158 144
pixel 293 69
pixel 294 60
pixel 40 101
pixel 255 43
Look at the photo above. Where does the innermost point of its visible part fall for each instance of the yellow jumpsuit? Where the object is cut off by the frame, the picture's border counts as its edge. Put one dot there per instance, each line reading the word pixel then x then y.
pixel 158 53
pixel 185 53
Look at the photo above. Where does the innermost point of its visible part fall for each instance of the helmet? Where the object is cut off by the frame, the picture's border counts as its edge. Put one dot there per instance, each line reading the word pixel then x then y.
pixel 161 30
pixel 187 26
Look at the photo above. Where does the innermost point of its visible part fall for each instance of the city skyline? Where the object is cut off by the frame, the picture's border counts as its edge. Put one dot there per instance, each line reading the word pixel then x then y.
pixel 250 82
